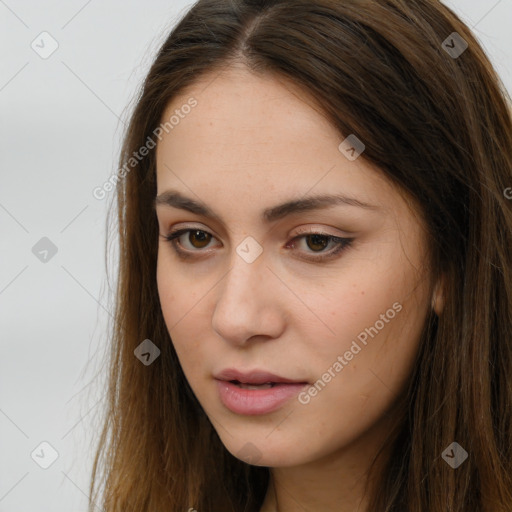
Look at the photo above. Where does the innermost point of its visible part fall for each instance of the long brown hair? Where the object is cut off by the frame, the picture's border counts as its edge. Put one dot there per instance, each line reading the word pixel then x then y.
pixel 435 119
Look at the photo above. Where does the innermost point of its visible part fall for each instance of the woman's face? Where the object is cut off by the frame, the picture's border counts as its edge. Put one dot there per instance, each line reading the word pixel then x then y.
pixel 256 286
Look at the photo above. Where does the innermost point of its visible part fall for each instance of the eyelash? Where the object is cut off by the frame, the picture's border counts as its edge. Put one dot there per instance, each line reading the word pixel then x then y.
pixel 342 243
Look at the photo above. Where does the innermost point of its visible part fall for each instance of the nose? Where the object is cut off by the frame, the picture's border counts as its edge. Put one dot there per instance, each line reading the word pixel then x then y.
pixel 248 303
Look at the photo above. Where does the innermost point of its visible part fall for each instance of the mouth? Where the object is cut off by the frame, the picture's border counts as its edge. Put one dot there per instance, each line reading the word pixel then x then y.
pixel 243 385
pixel 259 379
pixel 255 392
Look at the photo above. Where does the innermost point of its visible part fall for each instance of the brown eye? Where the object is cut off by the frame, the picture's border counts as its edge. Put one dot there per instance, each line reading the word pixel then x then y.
pixel 186 242
pixel 318 242
pixel 189 240
pixel 199 239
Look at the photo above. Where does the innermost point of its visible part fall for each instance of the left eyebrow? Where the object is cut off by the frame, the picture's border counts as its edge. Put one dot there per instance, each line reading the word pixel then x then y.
pixel 174 199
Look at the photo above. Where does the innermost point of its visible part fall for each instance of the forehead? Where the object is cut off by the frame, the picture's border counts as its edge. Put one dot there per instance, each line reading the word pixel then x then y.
pixel 264 126
pixel 262 140
pixel 241 111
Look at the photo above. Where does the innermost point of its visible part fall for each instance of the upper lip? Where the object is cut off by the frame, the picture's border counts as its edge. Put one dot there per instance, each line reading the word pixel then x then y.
pixel 253 377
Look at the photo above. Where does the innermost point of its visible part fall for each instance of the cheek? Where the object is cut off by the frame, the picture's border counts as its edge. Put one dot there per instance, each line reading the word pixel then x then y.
pixel 348 308
pixel 179 292
pixel 375 322
pixel 169 301
pixel 378 334
pixel 174 301
pixel 182 298
pixel 347 397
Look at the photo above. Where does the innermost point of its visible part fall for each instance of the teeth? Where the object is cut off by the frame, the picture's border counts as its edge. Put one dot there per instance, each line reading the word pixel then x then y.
pixel 255 386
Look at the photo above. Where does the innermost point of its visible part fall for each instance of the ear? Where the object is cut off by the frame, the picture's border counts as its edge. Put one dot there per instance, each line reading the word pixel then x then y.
pixel 439 296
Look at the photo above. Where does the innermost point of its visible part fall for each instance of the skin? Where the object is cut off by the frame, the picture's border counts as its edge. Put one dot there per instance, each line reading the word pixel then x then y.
pixel 239 152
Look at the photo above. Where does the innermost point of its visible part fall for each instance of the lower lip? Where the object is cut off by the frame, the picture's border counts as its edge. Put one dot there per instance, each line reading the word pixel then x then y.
pixel 256 401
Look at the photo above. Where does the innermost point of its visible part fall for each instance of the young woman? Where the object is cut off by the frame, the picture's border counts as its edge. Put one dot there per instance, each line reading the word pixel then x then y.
pixel 314 305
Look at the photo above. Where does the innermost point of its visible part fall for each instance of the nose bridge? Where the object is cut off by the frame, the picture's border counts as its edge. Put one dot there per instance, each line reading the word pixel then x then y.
pixel 248 268
pixel 245 305
pixel 246 279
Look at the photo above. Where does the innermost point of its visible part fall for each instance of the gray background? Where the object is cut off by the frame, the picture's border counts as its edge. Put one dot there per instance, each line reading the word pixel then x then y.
pixel 62 119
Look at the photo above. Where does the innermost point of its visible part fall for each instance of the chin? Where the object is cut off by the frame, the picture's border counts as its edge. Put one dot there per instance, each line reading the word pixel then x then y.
pixel 260 450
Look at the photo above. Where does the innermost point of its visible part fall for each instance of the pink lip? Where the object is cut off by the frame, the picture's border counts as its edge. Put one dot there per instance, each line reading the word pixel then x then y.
pixel 255 401
pixel 253 377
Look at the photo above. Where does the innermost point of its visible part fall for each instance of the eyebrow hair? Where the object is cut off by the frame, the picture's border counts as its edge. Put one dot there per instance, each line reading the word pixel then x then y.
pixel 174 199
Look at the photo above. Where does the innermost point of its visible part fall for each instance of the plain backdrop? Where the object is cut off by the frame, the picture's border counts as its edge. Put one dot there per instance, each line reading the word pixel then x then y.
pixel 61 121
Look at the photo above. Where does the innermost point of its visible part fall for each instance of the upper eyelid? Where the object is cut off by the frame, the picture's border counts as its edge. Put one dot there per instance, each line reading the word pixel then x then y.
pixel 314 229
pixel 179 232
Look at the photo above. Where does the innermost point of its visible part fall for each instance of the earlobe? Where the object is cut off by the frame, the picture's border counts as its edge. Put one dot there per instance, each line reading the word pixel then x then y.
pixel 438 297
